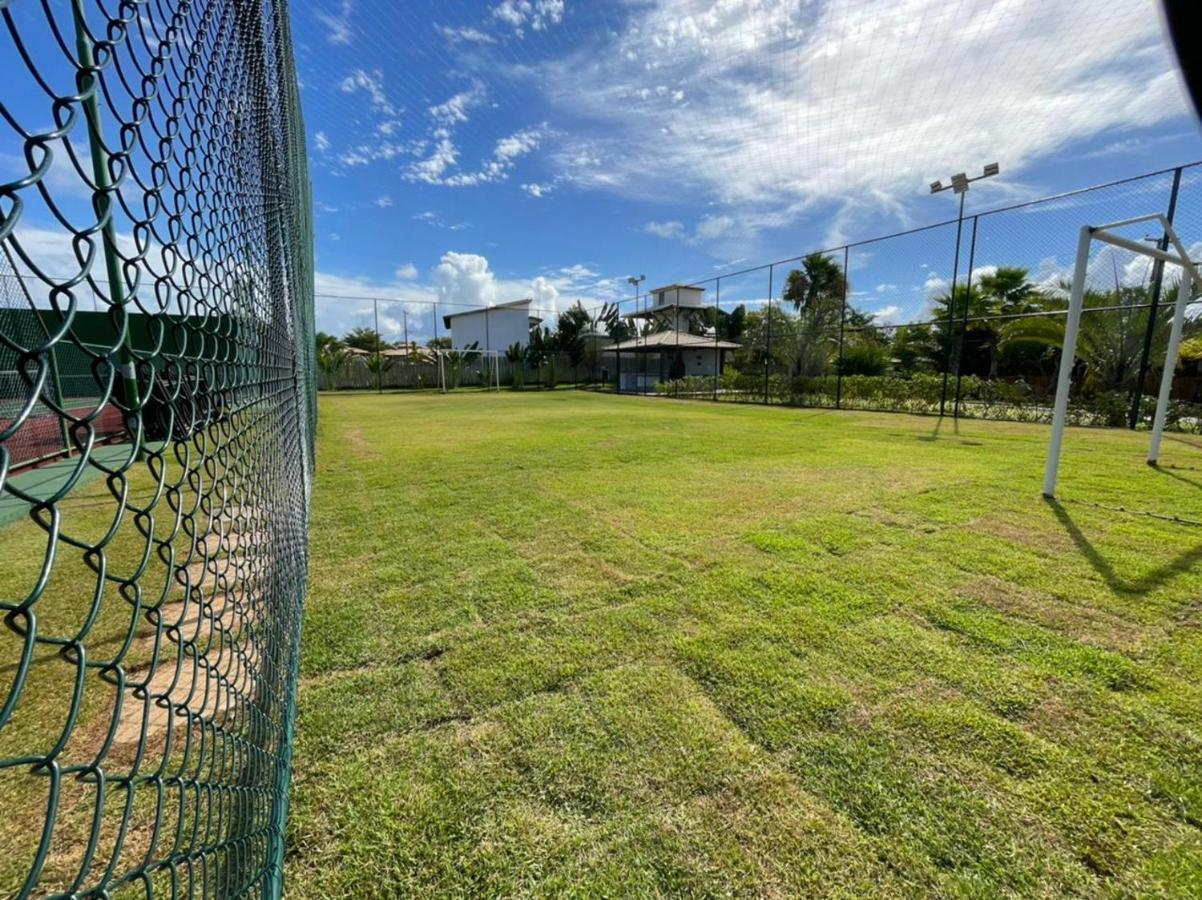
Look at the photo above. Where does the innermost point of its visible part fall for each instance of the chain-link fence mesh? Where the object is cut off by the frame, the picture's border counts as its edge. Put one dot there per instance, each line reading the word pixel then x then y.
pixel 157 360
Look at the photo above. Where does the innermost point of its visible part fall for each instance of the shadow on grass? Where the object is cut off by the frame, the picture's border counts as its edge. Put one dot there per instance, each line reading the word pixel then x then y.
pixel 935 432
pixel 1175 472
pixel 1151 580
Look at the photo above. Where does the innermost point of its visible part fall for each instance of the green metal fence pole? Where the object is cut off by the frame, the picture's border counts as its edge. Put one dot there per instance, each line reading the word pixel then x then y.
pixel 951 308
pixel 768 338
pixel 103 202
pixel 972 252
pixel 1157 280
pixel 375 307
pixel 842 335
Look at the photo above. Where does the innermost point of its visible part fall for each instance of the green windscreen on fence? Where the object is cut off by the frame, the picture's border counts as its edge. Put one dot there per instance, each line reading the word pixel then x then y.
pixel 157 409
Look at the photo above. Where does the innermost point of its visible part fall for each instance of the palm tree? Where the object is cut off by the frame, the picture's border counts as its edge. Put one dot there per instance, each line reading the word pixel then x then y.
pixel 330 360
pixel 816 291
pixel 515 355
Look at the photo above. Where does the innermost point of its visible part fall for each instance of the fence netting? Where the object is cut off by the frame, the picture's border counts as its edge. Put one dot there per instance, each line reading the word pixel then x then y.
pixel 963 318
pixel 157 409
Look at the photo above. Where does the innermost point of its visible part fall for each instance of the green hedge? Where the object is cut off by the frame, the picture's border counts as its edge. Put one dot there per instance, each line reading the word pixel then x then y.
pixel 1011 401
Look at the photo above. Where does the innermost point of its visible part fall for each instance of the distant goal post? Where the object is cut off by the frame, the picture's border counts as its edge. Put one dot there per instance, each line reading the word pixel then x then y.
pixel 1175 254
pixel 453 362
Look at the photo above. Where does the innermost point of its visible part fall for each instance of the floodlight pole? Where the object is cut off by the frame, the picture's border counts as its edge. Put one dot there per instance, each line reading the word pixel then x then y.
pixel 634 281
pixel 959 183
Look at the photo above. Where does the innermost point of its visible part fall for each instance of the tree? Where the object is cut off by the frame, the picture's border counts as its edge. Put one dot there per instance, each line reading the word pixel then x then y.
pixel 515 354
pixel 330 360
pixel 367 339
pixel 542 351
pixel 622 329
pixel 770 340
pixel 816 292
pixel 570 332
pixel 458 360
pixel 326 341
pixel 439 343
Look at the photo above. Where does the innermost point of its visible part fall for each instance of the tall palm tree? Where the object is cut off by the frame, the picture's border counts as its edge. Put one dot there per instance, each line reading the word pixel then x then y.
pixel 816 291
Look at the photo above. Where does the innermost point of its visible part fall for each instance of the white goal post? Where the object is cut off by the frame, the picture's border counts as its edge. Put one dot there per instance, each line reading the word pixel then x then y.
pixel 1175 255
pixel 468 356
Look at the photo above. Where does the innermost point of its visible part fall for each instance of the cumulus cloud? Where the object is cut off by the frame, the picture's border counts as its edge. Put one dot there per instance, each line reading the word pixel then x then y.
pixel 435 169
pixel 537 14
pixel 790 104
pixel 454 110
pixel 371 83
pixel 465 279
pixel 887 315
pixel 384 201
pixel 668 230
pixel 338 22
pixel 407 272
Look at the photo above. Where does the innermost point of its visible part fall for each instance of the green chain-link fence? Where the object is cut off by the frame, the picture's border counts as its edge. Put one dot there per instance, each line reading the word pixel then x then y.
pixel 156 362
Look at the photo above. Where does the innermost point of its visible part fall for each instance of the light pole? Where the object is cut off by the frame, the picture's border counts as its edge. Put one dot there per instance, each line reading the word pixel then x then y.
pixel 634 281
pixel 959 184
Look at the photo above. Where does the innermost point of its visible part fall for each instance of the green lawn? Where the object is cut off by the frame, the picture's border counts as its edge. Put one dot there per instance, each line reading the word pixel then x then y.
pixel 581 645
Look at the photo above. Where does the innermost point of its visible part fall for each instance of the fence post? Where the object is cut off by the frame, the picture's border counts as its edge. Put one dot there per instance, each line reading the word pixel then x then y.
pixel 375 308
pixel 768 339
pixel 1157 280
pixel 972 251
pixel 717 320
pixel 951 308
pixel 103 200
pixel 842 324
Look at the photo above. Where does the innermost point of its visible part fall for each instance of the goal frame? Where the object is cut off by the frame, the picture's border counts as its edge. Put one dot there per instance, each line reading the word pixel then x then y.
pixel 495 357
pixel 1068 355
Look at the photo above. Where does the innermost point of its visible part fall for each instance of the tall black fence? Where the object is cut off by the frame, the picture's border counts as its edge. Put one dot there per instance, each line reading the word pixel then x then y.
pixel 961 318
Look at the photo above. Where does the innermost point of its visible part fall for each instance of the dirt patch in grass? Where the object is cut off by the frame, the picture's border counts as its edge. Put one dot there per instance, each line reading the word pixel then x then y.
pixel 1084 622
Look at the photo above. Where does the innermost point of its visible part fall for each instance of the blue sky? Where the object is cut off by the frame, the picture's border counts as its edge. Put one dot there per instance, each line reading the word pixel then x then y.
pixel 478 152
pixel 481 151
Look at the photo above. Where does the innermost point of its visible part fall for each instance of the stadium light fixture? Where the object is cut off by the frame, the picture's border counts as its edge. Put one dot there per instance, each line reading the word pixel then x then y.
pixel 960 181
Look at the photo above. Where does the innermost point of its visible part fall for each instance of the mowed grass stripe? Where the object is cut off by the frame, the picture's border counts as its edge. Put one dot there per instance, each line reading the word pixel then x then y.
pixel 567 644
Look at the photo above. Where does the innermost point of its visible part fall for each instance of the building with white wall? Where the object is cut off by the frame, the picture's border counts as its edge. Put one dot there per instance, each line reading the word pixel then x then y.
pixel 680 345
pixel 492 327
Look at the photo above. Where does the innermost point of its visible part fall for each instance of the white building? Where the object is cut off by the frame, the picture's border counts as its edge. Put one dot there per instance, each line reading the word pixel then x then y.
pixel 492 327
pixel 679 347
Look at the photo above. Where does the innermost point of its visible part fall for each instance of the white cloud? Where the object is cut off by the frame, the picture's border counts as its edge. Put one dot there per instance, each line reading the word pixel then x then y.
pixel 434 169
pixel 372 83
pixel 465 35
pixel 537 190
pixel 887 315
pixel 545 293
pixel 454 110
pixel 320 142
pixel 711 227
pixel 465 279
pixel 537 14
pixel 667 230
pixel 433 219
pixel 407 272
pixel 338 24
pixel 790 104
pixel 384 201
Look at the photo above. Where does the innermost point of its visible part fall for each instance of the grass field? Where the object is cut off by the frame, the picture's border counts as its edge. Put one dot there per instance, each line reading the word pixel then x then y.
pixel 581 645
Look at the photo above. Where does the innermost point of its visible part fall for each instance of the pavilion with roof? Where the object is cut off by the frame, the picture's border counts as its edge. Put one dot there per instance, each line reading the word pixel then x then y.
pixel 678 345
